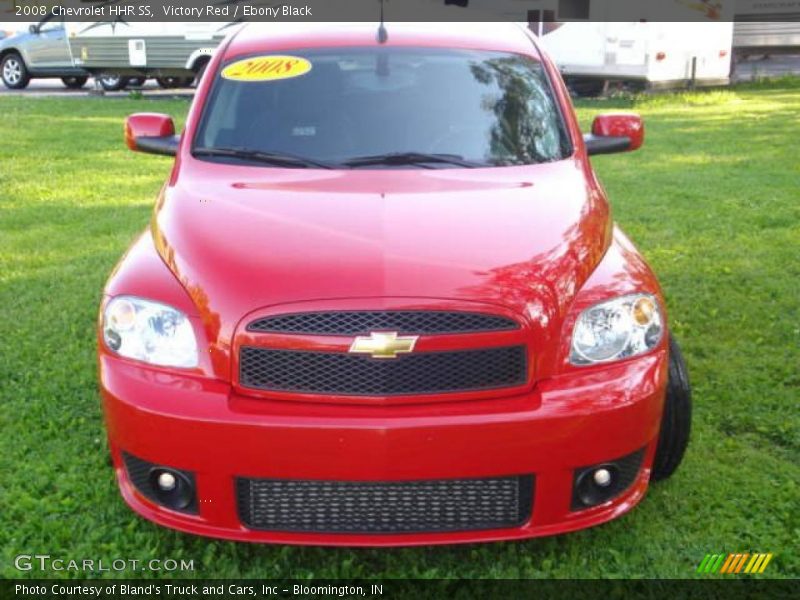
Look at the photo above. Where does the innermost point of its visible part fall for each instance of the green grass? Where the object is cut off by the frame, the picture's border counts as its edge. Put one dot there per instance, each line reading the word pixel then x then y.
pixel 711 200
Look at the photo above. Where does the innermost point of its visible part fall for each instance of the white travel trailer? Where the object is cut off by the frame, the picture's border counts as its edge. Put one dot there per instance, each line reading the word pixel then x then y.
pixel 655 54
pixel 590 42
pixel 766 28
pixel 174 53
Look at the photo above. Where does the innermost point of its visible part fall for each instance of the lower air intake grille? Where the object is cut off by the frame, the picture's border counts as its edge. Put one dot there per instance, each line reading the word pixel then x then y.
pixel 385 507
pixel 353 375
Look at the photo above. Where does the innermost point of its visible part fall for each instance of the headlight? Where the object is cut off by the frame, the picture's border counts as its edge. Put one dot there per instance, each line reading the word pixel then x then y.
pixel 149 331
pixel 616 329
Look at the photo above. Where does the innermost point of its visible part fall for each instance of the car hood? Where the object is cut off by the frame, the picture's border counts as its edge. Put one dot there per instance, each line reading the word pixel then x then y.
pixel 243 238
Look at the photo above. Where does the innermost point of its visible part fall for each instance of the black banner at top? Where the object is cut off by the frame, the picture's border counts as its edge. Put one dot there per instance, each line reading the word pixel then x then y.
pixel 531 11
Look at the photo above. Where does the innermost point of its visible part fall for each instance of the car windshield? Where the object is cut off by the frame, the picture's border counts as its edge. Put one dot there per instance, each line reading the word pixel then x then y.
pixel 382 108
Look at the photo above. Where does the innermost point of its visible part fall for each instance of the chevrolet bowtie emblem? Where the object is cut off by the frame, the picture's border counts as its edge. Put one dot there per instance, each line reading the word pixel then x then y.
pixel 383 345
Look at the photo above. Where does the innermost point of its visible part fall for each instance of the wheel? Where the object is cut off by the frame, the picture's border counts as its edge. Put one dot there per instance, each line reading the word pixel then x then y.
pixel 74 83
pixel 136 81
pixel 676 421
pixel 113 83
pixel 168 83
pixel 14 72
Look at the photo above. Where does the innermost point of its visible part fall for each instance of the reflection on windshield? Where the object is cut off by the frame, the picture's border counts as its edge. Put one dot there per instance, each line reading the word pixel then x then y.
pixel 476 108
pixel 523 130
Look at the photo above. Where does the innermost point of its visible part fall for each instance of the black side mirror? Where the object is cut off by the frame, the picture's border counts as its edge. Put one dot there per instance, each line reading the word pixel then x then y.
pixel 34 29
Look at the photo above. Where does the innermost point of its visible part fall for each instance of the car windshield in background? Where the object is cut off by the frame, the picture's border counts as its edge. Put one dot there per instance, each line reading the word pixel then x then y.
pixel 382 108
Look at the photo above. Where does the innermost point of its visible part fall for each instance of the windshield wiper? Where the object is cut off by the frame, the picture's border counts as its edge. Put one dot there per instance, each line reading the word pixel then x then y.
pixel 410 158
pixel 263 156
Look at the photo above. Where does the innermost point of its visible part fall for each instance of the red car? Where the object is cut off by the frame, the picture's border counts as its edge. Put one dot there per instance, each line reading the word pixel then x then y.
pixel 382 301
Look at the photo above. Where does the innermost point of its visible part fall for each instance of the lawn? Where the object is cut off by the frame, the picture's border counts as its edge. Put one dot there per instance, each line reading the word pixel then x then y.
pixel 711 200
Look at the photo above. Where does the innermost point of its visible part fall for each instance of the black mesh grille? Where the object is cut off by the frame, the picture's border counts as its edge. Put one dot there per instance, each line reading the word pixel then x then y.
pixel 363 322
pixel 385 507
pixel 354 375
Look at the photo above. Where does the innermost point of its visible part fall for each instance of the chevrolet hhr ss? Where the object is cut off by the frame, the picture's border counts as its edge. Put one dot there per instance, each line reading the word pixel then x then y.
pixel 382 300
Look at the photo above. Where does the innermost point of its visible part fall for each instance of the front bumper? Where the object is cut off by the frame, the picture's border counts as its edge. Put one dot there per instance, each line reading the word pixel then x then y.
pixel 202 426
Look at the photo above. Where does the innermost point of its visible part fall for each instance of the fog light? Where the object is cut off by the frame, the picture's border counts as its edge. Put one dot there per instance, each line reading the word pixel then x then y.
pixel 166 481
pixel 167 486
pixel 597 484
pixel 602 477
pixel 171 488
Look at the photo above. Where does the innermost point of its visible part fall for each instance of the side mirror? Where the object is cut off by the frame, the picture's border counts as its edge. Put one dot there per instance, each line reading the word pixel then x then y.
pixel 153 133
pixel 34 29
pixel 615 132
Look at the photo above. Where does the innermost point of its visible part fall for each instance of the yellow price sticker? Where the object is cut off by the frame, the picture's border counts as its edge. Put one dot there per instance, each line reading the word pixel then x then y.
pixel 266 68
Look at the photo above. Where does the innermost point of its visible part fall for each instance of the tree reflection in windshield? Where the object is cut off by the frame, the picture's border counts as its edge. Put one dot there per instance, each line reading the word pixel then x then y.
pixel 524 130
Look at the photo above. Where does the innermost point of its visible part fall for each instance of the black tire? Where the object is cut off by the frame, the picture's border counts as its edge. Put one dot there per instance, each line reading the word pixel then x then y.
pixel 113 83
pixel 167 83
pixel 74 83
pixel 676 421
pixel 137 82
pixel 13 71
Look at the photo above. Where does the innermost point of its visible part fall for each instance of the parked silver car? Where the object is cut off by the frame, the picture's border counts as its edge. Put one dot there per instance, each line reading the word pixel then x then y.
pixel 41 52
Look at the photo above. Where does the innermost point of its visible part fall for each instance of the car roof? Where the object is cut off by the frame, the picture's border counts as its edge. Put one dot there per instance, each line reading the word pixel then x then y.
pixel 269 37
